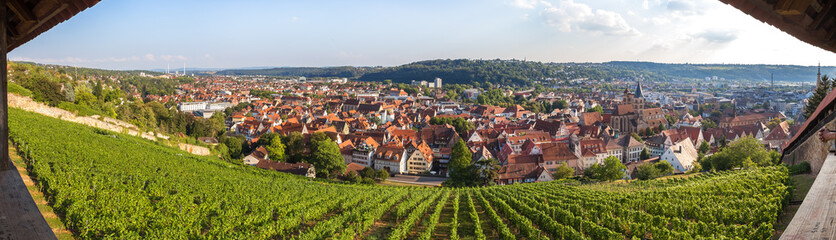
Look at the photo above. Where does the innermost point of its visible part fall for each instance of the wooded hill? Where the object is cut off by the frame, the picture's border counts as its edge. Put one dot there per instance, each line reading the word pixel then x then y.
pixel 522 73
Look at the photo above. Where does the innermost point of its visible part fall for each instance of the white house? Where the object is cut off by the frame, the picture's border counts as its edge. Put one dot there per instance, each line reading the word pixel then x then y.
pixel 390 158
pixel 681 156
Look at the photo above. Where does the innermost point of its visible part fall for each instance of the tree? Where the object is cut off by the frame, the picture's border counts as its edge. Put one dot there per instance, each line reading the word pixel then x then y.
pixel 704 147
pixel 636 136
pixel 563 171
pixel 661 127
pixel 485 170
pixel 707 123
pixel 234 147
pixel 353 177
pixel 294 147
pixel 745 152
pixel 646 172
pixel 611 170
pixel 382 175
pixel 645 154
pixel 316 139
pixel 597 108
pixel 560 104
pixel 368 172
pixel 458 168
pixel 671 119
pixel 773 123
pixel 275 149
pixel 664 168
pixel 327 159
pixel 818 95
pixel 655 170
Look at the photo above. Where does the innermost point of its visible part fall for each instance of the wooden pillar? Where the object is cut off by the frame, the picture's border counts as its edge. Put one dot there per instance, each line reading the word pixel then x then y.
pixel 5 162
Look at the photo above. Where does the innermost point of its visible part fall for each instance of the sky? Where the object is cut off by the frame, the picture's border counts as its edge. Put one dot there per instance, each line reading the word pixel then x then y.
pixel 154 34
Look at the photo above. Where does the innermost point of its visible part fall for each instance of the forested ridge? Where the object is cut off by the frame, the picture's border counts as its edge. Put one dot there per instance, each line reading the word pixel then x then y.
pixel 524 73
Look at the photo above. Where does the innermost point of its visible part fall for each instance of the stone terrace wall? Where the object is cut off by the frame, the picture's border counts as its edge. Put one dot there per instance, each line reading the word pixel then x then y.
pixel 106 123
pixel 811 150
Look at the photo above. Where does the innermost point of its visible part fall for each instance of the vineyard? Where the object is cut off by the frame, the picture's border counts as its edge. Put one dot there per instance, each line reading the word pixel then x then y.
pixel 107 185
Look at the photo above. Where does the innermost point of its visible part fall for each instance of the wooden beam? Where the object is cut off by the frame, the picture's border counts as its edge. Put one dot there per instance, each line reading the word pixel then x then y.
pixel 25 29
pixel 5 162
pixel 825 12
pixel 791 7
pixel 24 13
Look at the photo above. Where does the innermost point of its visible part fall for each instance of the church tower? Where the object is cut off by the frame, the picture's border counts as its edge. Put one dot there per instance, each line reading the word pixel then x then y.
pixel 639 93
pixel 818 77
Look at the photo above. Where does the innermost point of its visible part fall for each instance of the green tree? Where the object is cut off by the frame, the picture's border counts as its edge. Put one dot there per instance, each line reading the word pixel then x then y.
pixel 646 171
pixel 234 145
pixel 704 148
pixel 611 170
pixel 561 104
pixel 665 168
pixel 275 149
pixel 294 146
pixel 818 95
pixel 773 123
pixel 368 172
pixel 353 177
pixel 382 175
pixel 563 171
pixel 708 123
pixel 644 155
pixel 459 166
pixel 598 109
pixel 486 170
pixel 744 152
pixel 327 159
pixel 637 137
pixel 671 119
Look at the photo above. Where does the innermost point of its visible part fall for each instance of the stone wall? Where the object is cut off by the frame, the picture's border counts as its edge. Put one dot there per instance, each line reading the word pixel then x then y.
pixel 811 150
pixel 106 123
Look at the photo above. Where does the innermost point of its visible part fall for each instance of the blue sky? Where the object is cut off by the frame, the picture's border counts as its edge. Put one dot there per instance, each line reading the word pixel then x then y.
pixel 151 34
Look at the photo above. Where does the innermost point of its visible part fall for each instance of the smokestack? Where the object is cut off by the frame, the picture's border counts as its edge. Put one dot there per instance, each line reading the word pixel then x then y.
pixel 184 69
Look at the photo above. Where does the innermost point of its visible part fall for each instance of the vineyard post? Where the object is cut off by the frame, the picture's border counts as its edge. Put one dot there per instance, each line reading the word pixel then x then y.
pixel 5 164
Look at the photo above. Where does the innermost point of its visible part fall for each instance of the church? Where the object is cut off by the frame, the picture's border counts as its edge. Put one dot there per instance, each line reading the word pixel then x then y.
pixel 632 114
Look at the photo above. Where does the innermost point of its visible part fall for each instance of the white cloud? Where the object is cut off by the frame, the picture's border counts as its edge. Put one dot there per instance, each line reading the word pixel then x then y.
pixel 645 5
pixel 149 57
pixel 294 18
pixel 569 16
pixel 209 57
pixel 717 35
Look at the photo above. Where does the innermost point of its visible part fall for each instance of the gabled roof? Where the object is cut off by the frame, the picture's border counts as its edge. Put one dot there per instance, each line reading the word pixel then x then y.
pixel 520 171
pixel 557 152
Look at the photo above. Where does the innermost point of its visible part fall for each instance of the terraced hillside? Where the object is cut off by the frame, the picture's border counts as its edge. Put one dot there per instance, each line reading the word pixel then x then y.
pixel 108 185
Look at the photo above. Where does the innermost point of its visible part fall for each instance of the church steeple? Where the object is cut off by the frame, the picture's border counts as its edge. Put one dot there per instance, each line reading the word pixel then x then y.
pixel 818 77
pixel 639 93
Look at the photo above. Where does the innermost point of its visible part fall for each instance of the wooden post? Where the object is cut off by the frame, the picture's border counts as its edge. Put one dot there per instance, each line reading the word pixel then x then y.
pixel 5 163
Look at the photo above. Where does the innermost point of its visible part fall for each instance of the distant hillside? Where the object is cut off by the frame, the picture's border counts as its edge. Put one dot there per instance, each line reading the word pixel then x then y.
pixel 522 73
pixel 754 72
